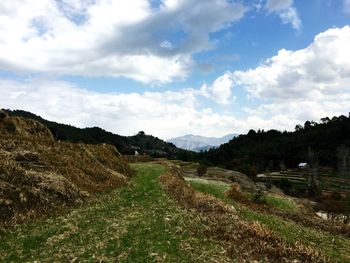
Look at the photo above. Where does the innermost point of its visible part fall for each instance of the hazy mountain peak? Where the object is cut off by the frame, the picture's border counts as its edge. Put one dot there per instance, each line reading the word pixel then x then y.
pixel 199 143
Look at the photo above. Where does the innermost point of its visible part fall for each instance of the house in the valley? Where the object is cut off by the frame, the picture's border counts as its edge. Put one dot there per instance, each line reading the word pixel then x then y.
pixel 303 165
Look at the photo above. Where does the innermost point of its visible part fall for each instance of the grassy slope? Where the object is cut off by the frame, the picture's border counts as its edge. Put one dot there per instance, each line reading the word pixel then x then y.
pixel 138 223
pixel 334 246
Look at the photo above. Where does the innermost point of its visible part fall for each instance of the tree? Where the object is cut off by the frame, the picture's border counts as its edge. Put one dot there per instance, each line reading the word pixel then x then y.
pixel 343 160
pixel 201 170
pixel 251 133
pixel 313 183
pixel 282 166
pixel 307 125
pixel 325 120
pixel 298 127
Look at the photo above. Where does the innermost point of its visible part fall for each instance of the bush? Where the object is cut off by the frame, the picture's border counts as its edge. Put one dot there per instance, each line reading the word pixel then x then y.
pixel 335 206
pixel 9 126
pixel 202 170
pixel 248 170
pixel 3 115
pixel 235 193
pixel 259 197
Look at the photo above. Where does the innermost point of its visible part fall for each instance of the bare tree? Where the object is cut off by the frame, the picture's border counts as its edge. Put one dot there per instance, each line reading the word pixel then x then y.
pixel 313 179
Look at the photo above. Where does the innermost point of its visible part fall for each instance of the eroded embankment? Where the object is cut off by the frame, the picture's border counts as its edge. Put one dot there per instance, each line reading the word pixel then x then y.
pixel 39 175
pixel 243 240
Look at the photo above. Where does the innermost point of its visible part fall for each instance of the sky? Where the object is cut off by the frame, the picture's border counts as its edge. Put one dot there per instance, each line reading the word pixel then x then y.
pixel 176 67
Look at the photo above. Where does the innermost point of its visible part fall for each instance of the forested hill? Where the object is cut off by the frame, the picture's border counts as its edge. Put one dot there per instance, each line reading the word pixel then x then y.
pixel 254 152
pixel 140 142
pixel 262 150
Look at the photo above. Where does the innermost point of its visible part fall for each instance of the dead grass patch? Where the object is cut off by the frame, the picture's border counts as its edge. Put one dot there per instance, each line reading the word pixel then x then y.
pixel 306 219
pixel 243 241
pixel 38 174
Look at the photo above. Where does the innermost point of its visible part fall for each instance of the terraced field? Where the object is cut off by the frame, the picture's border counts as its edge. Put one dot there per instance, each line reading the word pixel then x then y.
pixel 137 223
pixel 163 219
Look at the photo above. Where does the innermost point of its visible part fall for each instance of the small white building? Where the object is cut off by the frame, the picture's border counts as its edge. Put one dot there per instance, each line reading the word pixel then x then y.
pixel 303 165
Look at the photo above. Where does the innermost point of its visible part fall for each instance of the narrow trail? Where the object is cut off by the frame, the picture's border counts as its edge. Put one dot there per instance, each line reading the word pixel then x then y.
pixel 137 223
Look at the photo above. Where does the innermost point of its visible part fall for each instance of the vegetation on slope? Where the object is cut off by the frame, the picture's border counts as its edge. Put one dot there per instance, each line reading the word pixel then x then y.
pixel 267 150
pixel 243 240
pixel 335 246
pixel 39 175
pixel 141 142
pixel 135 223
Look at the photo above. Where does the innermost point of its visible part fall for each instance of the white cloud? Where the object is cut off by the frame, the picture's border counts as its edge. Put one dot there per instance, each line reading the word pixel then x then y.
pixel 109 38
pixel 285 10
pixel 321 70
pixel 293 86
pixel 307 84
pixel 287 115
pixel 165 114
pixel 166 44
pixel 220 91
pixel 278 5
pixel 290 16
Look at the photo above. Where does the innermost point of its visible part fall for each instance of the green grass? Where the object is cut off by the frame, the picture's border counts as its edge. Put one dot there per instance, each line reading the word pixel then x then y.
pixel 334 246
pixel 217 190
pixel 281 203
pixel 138 223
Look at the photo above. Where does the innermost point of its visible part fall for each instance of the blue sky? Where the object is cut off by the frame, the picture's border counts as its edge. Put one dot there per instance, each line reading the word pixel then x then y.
pixel 174 67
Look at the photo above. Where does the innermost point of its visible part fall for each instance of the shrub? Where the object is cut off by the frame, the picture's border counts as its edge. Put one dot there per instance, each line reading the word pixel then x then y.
pixel 259 197
pixel 235 193
pixel 248 170
pixel 9 126
pixel 3 115
pixel 202 170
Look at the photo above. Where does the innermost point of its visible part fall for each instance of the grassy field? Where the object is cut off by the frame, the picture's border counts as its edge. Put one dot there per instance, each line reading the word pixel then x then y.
pixel 140 223
pixel 216 188
pixel 137 223
pixel 336 247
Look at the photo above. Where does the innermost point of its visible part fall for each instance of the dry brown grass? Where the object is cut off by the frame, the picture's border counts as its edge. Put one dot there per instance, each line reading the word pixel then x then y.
pixel 38 174
pixel 235 193
pixel 304 218
pixel 242 240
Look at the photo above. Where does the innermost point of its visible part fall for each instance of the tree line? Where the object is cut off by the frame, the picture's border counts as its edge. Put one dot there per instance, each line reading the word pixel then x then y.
pixel 258 151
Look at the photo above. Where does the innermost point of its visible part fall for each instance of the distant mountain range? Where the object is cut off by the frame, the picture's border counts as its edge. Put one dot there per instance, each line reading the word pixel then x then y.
pixel 198 143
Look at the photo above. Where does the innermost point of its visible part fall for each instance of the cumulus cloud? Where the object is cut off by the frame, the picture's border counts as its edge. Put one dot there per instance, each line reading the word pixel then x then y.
pixel 165 114
pixel 109 38
pixel 295 86
pixel 318 71
pixel 287 115
pixel 285 10
pixel 220 91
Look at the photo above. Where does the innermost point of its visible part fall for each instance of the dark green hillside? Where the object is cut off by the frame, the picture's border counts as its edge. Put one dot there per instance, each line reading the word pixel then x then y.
pixel 141 142
pixel 266 150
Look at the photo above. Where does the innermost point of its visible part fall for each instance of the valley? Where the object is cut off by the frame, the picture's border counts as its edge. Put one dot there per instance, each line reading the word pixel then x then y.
pixel 69 201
